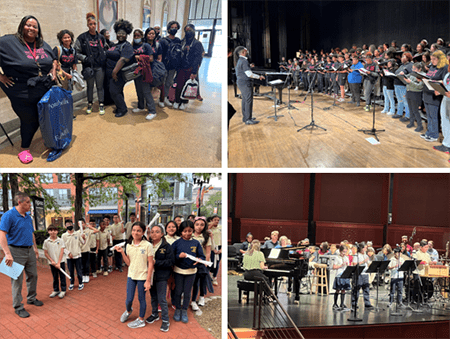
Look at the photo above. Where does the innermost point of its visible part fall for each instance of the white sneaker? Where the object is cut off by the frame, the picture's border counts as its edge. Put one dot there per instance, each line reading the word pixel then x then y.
pixel 167 102
pixel 84 279
pixel 137 110
pixel 194 306
pixel 215 283
pixel 53 294
pixel 62 294
pixel 201 301
pixel 150 116
pixel 161 104
pixel 87 279
pixel 390 113
pixel 94 275
pixel 296 89
pixel 176 105
pixel 183 106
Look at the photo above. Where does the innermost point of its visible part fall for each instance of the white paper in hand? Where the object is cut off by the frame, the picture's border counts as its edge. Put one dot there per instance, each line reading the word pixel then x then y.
pixel 13 272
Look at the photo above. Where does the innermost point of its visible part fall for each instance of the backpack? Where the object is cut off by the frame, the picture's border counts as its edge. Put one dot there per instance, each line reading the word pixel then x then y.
pixel 159 73
pixel 174 55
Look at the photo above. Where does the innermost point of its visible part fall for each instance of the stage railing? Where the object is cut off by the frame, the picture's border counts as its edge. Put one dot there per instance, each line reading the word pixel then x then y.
pixel 271 317
pixel 231 334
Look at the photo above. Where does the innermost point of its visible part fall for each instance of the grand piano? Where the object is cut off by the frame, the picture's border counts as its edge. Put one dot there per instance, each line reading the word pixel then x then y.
pixel 286 265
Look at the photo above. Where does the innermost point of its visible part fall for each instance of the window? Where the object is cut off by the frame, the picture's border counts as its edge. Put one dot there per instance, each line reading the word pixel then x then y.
pixel 46 178
pixel 50 192
pixel 164 20
pixel 146 15
pixel 64 178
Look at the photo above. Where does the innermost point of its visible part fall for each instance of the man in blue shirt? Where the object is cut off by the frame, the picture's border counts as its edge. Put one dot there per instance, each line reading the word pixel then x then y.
pixel 273 242
pixel 18 242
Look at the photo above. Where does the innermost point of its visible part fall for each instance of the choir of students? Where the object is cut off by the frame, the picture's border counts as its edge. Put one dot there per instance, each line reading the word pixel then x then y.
pixel 157 257
pixel 412 95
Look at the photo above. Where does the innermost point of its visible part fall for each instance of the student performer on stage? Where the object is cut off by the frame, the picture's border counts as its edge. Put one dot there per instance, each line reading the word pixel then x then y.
pixel 396 277
pixel 340 284
pixel 244 82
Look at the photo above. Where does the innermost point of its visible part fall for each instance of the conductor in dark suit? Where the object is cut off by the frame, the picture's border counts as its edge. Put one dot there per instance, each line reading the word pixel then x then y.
pixel 244 77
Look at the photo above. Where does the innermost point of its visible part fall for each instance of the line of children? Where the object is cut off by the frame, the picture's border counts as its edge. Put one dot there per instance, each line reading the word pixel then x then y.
pixel 54 252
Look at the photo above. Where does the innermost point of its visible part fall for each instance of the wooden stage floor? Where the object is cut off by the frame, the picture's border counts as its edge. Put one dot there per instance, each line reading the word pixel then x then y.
pixel 275 144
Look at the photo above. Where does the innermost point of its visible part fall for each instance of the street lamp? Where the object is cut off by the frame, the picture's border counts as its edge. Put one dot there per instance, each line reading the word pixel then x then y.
pixel 200 181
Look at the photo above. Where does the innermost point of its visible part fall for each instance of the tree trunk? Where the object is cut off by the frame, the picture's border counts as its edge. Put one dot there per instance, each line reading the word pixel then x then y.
pixel 79 180
pixel 5 192
pixel 14 184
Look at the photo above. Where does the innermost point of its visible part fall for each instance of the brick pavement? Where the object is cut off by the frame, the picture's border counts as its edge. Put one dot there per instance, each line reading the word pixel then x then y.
pixel 93 312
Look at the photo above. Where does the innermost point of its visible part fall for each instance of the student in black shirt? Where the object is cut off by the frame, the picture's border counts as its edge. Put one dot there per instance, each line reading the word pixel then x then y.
pixel 107 36
pixel 26 61
pixel 66 55
pixel 90 48
pixel 117 57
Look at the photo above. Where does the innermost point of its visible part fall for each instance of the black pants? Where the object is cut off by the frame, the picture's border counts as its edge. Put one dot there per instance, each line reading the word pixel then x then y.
pixel 72 264
pixel 102 254
pixel 58 275
pixel 85 263
pixel 355 88
pixel 117 255
pixel 24 102
pixel 116 91
pixel 256 275
pixel 246 88
pixel 320 79
pixel 93 260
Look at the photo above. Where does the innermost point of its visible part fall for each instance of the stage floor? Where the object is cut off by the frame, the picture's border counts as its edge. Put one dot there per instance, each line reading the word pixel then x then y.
pixel 275 144
pixel 316 310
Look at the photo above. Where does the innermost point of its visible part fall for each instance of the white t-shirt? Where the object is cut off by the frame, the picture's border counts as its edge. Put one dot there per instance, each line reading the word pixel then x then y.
pixel 360 258
pixel 339 261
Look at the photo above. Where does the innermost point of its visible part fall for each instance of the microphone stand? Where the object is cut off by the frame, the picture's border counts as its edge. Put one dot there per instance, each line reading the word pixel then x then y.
pixel 312 124
pixel 373 131
pixel 334 95
pixel 289 76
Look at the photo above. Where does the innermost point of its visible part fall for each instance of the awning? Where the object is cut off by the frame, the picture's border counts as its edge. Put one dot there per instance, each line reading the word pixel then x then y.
pixel 102 211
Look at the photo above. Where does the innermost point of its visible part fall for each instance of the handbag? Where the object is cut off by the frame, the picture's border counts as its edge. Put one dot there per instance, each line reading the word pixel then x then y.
pixel 88 72
pixel 129 72
pixel 172 90
pixel 190 90
pixel 159 73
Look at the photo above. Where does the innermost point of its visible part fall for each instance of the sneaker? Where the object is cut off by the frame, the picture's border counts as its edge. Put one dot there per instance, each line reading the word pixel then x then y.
pixel 177 315
pixel 184 316
pixel 215 282
pixel 70 287
pixel 124 317
pixel 137 323
pixel 94 275
pixel 389 305
pixel 167 102
pixel 89 109
pixel 183 106
pixel 396 116
pixel 120 270
pixel 201 301
pixel 54 294
pixel 423 136
pixel 441 148
pixel 102 109
pixel 336 307
pixel 84 279
pixel 430 139
pixel 161 104
pixel 110 269
pixel 419 129
pixel 62 294
pixel 410 125
pixel 87 279
pixel 341 99
pixel 22 313
pixel 194 306
pixel 150 116
pixel 105 273
pixel 176 105
pixel 383 112
pixel 99 272
pixel 366 108
pixel 165 326
pixel 80 287
pixel 137 110
pixel 404 119
pixel 35 302
pixel 390 113
pixel 159 309
pixel 152 319
pixel 296 89
pixel 343 307
pixel 369 307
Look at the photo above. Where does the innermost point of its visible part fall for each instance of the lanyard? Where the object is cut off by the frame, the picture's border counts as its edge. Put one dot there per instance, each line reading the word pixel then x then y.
pixel 34 57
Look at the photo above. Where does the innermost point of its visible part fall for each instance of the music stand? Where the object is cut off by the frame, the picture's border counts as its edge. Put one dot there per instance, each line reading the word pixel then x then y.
pixel 409 266
pixel 275 100
pixel 378 267
pixel 353 272
pixel 312 124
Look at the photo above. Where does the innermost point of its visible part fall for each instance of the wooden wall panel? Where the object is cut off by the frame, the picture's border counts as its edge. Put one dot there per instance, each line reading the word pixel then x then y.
pixel 272 196
pixel 352 197
pixel 335 232
pixel 421 199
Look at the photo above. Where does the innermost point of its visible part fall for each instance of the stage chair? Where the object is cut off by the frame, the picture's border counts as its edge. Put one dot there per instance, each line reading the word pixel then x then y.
pixel 319 279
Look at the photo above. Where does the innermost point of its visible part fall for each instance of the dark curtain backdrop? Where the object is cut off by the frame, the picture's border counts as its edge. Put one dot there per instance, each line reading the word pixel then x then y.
pixel 326 24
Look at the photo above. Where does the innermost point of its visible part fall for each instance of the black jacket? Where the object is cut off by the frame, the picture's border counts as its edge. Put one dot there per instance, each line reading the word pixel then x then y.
pixel 89 54
pixel 164 260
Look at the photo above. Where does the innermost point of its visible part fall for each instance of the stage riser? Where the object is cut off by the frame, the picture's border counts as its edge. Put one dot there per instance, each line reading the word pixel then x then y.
pixel 438 330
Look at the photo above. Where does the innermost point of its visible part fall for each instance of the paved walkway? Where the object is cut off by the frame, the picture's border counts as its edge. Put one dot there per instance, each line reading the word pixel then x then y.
pixel 176 139
pixel 93 312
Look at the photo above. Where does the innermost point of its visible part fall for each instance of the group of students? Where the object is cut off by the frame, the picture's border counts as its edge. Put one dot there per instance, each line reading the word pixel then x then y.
pixel 158 258
pixel 343 255
pixel 333 72
pixel 29 68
